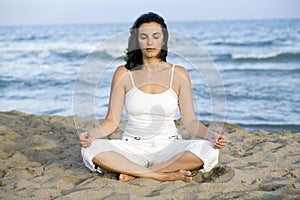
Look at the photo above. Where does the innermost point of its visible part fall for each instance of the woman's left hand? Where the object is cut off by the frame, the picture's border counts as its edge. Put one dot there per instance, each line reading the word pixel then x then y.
pixel 220 142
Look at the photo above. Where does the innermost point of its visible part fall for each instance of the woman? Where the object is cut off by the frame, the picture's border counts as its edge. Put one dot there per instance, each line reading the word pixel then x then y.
pixel 151 90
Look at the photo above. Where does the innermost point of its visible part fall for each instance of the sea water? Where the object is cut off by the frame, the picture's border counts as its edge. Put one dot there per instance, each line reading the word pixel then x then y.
pixel 258 63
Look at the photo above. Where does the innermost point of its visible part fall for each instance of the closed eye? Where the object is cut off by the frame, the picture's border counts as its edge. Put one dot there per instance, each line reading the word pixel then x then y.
pixel 156 35
pixel 143 36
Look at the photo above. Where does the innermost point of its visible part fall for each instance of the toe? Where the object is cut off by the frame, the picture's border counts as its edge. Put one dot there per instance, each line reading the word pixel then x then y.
pixel 121 177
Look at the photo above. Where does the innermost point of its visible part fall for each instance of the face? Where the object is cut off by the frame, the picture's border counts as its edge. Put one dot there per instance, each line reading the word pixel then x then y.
pixel 151 40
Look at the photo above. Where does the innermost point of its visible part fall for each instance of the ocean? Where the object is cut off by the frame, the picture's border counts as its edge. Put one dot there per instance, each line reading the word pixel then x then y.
pixel 258 64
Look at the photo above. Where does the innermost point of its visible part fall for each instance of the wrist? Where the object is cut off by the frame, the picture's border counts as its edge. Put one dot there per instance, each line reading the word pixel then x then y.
pixel 91 134
pixel 95 133
pixel 212 136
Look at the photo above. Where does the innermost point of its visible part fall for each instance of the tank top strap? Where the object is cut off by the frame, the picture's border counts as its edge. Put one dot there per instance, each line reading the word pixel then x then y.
pixel 172 74
pixel 131 79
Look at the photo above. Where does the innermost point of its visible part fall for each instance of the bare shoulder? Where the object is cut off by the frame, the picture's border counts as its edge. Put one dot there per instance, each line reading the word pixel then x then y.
pixel 120 72
pixel 180 69
pixel 182 73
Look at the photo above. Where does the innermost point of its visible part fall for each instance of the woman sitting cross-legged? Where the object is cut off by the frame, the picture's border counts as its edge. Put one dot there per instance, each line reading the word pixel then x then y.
pixel 151 89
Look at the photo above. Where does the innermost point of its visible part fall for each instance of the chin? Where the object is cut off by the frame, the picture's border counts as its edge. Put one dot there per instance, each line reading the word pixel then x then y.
pixel 152 55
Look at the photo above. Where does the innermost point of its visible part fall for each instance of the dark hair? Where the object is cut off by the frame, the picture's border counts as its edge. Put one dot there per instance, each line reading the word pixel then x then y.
pixel 134 57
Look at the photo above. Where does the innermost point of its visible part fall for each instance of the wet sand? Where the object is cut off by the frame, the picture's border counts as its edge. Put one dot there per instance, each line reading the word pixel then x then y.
pixel 40 159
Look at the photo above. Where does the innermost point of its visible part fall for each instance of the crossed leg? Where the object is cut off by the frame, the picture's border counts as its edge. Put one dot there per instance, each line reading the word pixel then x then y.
pixel 176 168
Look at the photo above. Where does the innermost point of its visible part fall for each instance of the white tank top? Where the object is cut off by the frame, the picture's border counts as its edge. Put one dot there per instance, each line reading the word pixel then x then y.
pixel 151 115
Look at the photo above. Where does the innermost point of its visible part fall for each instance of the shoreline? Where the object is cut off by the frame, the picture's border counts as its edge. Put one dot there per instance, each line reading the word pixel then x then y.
pixel 293 128
pixel 40 158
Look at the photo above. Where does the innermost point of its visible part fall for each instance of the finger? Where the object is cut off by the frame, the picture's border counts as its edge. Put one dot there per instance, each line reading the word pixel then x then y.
pixel 217 145
pixel 84 144
pixel 86 139
pixel 84 135
pixel 218 139
pixel 221 143
pixel 223 139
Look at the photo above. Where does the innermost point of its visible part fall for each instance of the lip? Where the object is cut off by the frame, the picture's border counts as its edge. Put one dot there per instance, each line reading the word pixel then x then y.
pixel 150 49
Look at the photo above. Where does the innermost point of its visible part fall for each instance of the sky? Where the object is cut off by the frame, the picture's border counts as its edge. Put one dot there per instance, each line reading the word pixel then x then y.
pixel 44 12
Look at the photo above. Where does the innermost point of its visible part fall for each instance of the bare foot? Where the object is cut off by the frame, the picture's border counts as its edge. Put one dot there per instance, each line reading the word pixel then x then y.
pixel 179 175
pixel 125 177
pixel 166 176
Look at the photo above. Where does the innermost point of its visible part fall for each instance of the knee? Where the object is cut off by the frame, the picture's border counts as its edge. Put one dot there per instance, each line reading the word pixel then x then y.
pixel 105 155
pixel 84 153
pixel 87 159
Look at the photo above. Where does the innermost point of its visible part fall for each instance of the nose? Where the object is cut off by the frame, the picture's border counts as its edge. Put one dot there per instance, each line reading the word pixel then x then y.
pixel 149 41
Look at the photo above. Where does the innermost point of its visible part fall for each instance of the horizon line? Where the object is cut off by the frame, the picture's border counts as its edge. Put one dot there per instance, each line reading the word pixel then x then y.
pixel 129 22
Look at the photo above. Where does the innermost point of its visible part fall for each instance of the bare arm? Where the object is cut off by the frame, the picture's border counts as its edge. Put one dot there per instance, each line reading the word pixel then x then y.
pixel 186 106
pixel 115 108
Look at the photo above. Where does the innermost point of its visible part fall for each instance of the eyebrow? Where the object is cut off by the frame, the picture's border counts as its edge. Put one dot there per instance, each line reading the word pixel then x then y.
pixel 152 34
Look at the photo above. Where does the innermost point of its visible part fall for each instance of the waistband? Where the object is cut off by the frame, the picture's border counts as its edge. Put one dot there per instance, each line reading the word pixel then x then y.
pixel 172 137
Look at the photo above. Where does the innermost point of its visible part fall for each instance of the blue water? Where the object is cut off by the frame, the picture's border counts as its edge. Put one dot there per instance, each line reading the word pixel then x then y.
pixel 258 61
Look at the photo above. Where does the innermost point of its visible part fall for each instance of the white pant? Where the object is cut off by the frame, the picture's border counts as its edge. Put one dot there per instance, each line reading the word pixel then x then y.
pixel 152 151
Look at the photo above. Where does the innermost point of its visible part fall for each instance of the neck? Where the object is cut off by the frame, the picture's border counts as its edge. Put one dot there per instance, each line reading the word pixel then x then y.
pixel 151 60
pixel 153 65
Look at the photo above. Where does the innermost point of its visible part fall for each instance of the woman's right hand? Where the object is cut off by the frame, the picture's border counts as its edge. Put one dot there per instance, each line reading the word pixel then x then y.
pixel 85 139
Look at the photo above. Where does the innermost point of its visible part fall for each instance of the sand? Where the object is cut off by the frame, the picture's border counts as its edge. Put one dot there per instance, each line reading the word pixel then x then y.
pixel 40 159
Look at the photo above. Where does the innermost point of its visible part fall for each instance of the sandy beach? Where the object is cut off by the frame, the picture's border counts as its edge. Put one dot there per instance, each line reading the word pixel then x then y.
pixel 40 159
